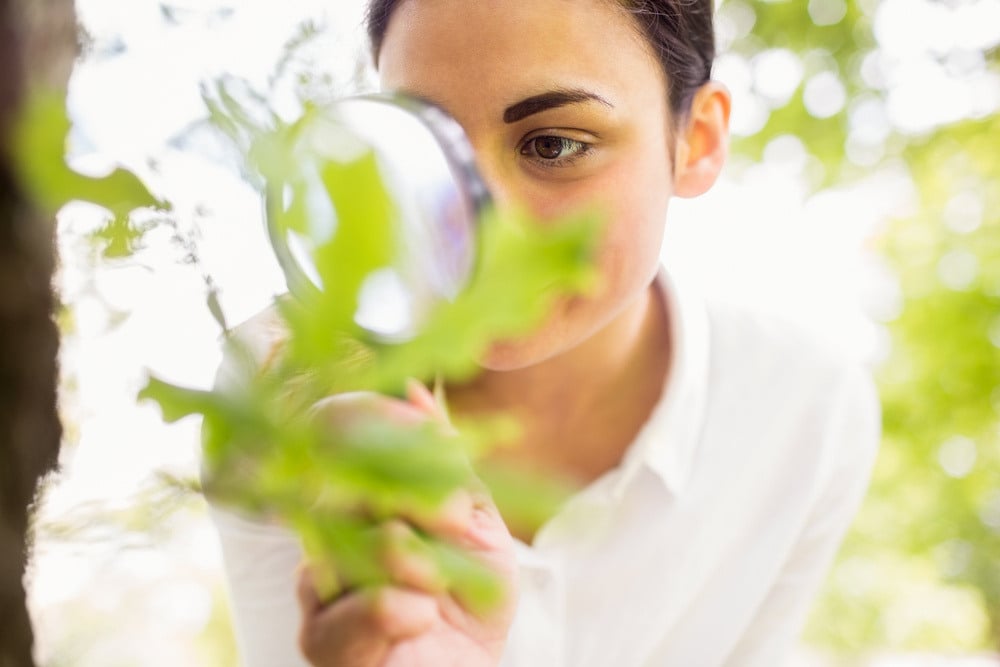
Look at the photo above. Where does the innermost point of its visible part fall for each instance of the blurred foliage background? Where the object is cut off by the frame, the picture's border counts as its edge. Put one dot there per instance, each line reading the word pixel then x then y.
pixel 856 94
pixel 921 568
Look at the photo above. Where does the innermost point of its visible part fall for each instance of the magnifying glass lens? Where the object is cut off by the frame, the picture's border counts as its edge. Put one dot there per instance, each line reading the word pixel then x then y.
pixel 427 168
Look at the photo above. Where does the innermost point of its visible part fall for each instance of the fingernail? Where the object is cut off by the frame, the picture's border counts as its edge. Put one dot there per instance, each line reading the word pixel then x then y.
pixel 419 395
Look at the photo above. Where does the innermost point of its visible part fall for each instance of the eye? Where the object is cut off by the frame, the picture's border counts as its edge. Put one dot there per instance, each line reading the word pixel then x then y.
pixel 553 150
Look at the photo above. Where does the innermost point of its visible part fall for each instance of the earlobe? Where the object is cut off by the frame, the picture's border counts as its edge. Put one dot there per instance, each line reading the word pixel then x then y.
pixel 703 142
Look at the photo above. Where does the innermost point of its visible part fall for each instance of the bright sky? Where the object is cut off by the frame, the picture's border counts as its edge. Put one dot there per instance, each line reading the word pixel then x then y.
pixel 761 240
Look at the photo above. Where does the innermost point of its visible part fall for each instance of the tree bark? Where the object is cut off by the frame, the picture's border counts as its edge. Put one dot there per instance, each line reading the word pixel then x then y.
pixel 37 48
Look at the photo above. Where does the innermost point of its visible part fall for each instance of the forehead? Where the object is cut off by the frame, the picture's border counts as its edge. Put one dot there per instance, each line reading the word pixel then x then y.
pixel 491 53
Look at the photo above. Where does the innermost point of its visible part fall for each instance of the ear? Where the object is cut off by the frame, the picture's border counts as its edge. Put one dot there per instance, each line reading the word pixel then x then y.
pixel 703 142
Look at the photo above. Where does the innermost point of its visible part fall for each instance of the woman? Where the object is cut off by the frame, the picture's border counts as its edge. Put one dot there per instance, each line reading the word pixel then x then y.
pixel 724 453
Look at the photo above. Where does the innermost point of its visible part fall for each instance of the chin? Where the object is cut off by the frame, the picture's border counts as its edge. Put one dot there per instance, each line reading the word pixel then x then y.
pixel 561 332
pixel 513 355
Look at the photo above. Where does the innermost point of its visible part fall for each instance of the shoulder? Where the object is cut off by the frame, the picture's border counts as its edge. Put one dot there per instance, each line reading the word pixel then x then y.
pixel 780 355
pixel 251 345
pixel 803 392
pixel 261 332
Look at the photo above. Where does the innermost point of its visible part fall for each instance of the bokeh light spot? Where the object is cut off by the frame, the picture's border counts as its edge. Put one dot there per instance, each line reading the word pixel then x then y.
pixel 989 513
pixel 776 75
pixel 827 12
pixel 824 95
pixel 957 456
pixel 958 269
pixel 964 212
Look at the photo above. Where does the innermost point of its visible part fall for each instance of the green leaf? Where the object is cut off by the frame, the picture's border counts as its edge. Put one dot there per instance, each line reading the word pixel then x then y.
pixel 267 452
pixel 39 154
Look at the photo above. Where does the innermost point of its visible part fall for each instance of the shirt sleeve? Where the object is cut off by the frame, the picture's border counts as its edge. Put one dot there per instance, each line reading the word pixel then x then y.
pixel 260 559
pixel 260 563
pixel 849 449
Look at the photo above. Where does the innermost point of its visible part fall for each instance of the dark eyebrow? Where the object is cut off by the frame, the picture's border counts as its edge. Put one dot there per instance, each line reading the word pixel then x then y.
pixel 550 100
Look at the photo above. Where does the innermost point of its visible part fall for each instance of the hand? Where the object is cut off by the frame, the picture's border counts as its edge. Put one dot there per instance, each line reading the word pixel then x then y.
pixel 416 621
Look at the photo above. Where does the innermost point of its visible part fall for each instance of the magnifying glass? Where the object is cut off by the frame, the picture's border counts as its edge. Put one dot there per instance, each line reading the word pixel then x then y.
pixel 427 167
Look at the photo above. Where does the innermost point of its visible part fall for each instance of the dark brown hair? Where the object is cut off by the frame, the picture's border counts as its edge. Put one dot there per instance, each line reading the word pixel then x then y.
pixel 680 33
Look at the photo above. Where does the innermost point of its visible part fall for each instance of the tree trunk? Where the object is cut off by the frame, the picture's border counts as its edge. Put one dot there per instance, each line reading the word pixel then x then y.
pixel 37 48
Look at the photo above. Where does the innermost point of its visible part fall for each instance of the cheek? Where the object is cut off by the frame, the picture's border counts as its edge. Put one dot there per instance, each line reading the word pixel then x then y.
pixel 632 193
pixel 631 189
pixel 639 208
pixel 637 211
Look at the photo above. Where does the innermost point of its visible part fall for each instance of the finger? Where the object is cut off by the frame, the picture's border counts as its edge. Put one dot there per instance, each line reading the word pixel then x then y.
pixel 408 560
pixel 358 628
pixel 323 579
pixel 305 592
pixel 325 628
pixel 449 520
pixel 398 613
pixel 419 395
pixel 355 408
pixel 487 529
pixel 474 559
pixel 483 573
pixel 340 633
pixel 468 518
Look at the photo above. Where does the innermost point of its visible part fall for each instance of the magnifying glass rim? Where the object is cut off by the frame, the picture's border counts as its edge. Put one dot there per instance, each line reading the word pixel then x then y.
pixel 457 152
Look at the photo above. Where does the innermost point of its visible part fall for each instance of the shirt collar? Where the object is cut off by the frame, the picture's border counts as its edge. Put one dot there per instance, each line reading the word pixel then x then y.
pixel 668 442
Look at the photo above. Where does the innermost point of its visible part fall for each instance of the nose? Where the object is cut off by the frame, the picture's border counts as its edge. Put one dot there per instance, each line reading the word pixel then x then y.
pixel 493 176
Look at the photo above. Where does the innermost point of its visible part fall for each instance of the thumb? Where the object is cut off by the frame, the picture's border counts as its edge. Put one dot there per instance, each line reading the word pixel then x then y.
pixel 418 395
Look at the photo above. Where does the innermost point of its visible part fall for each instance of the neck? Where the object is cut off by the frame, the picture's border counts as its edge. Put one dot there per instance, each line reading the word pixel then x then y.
pixel 611 380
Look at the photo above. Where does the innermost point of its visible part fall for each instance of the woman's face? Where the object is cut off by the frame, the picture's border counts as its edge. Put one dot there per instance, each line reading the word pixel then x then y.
pixel 566 108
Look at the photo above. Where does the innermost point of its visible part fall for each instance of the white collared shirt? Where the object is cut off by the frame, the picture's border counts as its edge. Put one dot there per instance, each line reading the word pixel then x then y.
pixel 704 547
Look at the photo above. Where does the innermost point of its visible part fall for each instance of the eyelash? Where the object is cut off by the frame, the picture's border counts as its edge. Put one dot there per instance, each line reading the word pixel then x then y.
pixel 527 149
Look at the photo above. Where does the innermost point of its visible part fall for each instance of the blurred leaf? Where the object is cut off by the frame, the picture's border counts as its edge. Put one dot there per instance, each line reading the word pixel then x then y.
pixel 525 513
pixel 40 149
pixel 266 453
